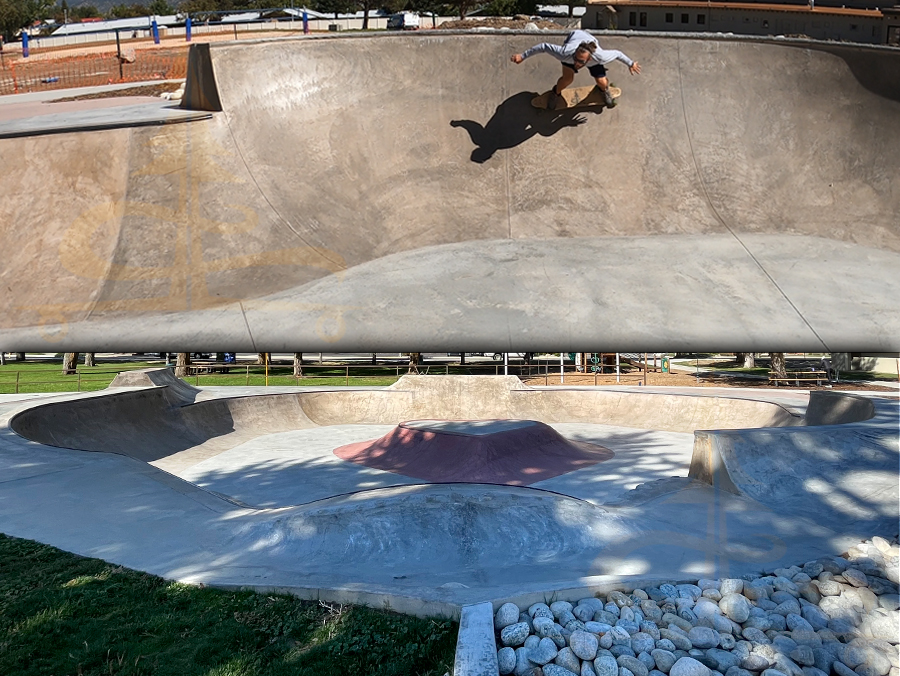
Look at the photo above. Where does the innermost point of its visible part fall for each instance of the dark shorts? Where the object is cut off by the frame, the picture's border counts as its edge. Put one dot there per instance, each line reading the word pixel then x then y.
pixel 596 70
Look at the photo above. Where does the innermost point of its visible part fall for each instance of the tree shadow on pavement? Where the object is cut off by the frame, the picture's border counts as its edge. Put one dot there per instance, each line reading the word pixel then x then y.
pixel 514 122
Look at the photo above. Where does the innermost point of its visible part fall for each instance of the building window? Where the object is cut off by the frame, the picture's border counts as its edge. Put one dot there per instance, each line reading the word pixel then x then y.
pixel 670 18
pixel 632 18
pixel 644 19
pixel 853 26
pixel 893 37
pixel 701 19
pixel 765 23
pixel 685 18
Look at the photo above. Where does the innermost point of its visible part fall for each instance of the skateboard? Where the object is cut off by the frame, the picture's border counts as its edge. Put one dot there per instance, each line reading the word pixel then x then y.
pixel 577 97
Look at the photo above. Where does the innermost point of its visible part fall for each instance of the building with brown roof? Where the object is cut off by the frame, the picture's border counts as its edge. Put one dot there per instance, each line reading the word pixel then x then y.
pixel 872 26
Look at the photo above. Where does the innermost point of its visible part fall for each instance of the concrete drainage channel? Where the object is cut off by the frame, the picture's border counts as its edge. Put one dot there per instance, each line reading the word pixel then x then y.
pixel 832 616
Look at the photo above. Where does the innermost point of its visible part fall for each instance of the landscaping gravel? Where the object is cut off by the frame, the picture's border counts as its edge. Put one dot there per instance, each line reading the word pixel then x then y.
pixel 835 616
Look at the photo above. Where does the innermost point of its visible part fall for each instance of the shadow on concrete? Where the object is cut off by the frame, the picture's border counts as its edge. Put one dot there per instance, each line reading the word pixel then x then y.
pixel 281 478
pixel 870 68
pixel 514 122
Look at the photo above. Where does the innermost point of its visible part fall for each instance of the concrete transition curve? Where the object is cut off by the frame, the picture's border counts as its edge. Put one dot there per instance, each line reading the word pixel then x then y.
pixel 771 480
pixel 354 191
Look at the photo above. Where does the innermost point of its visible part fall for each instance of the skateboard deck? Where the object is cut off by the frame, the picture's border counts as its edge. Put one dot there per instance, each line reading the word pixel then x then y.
pixel 577 97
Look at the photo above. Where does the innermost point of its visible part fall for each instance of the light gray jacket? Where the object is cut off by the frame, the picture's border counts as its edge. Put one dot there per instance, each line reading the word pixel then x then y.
pixel 566 51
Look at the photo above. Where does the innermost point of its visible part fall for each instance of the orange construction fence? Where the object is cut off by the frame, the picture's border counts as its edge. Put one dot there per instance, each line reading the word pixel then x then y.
pixel 20 76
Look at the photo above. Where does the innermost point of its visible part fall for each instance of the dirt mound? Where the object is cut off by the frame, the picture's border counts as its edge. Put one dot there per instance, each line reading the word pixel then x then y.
pixel 500 22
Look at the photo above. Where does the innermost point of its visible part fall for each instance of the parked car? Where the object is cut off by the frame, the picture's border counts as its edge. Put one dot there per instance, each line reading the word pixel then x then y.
pixel 403 21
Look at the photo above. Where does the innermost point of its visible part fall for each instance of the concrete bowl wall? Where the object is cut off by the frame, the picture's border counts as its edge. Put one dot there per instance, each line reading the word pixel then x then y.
pixel 164 419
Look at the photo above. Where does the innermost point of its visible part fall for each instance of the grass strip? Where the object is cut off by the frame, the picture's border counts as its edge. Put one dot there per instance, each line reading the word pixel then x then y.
pixel 65 614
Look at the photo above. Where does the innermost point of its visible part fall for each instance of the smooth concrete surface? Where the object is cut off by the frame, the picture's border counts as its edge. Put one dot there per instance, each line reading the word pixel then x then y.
pixel 468 427
pixel 800 491
pixel 786 467
pixel 333 204
pixel 66 118
pixel 298 467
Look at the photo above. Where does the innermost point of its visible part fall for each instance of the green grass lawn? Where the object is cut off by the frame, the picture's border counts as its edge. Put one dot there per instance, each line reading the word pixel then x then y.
pixel 43 376
pixel 65 614
pixel 29 377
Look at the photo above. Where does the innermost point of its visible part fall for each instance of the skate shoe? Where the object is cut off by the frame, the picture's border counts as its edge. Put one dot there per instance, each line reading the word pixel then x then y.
pixel 552 99
pixel 608 98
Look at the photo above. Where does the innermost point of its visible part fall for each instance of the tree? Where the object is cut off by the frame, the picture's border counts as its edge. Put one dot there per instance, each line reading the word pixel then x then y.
pixel 182 361
pixel 298 364
pixel 414 359
pixel 745 359
pixel 366 6
pixel 335 6
pixel 263 358
pixel 161 7
pixel 85 12
pixel 777 366
pixel 200 9
pixel 70 362
pixel 17 14
pixel 463 7
pixel 127 11
pixel 89 359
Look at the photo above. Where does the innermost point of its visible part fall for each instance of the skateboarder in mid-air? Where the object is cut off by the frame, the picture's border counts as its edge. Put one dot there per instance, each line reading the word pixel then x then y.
pixel 580 49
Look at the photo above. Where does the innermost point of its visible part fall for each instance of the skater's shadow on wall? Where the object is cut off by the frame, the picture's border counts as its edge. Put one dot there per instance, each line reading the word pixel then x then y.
pixel 514 122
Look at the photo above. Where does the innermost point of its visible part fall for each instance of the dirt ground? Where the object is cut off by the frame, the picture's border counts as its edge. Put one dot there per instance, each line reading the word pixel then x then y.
pixel 517 23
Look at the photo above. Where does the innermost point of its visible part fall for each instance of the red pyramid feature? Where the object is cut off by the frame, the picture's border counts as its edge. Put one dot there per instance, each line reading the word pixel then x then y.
pixel 511 452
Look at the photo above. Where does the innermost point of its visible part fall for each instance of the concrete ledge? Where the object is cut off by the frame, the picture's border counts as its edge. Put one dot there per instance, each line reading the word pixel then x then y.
pixel 381 600
pixel 476 651
pixel 101 119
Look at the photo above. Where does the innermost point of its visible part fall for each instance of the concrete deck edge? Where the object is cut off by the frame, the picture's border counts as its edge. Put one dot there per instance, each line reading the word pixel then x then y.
pixel 178 117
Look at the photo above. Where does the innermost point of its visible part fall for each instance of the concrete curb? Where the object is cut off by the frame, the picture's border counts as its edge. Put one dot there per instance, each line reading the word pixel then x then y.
pixel 476 651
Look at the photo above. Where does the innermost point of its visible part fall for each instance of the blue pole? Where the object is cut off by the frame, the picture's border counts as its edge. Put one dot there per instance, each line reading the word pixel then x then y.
pixel 155 30
pixel 187 29
pixel 25 50
pixel 305 22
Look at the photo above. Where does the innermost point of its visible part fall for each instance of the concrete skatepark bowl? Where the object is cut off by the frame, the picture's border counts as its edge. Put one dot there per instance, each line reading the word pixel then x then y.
pixel 351 190
pixel 243 486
